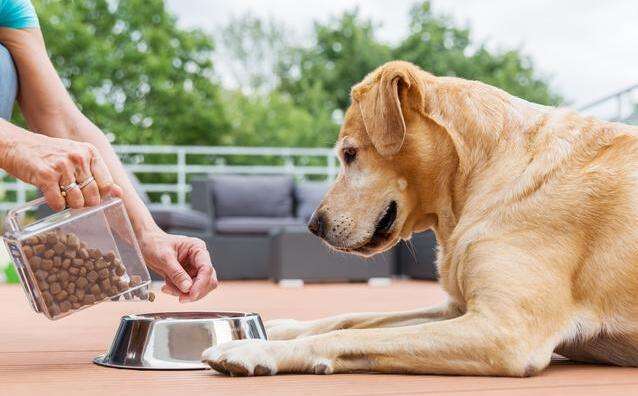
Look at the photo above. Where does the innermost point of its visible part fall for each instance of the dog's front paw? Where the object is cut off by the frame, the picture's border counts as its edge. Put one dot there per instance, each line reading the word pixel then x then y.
pixel 285 329
pixel 241 358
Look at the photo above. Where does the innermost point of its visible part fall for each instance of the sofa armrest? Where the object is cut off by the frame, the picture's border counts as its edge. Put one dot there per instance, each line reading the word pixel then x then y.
pixel 201 199
pixel 182 219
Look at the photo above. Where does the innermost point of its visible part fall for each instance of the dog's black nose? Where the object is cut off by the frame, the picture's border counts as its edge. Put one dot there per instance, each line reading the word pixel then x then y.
pixel 316 225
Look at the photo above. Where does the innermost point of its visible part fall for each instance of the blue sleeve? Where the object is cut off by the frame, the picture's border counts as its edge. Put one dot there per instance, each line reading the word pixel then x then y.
pixel 18 14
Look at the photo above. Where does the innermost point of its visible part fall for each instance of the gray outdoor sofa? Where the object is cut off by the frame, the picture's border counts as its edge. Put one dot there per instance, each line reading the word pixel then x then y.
pixel 416 259
pixel 258 230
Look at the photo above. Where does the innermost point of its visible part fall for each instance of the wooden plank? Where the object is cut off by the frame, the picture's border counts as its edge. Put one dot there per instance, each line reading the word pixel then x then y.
pixel 42 357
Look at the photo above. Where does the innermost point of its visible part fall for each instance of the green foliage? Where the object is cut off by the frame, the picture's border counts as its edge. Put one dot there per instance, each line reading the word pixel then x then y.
pixel 249 50
pixel 435 44
pixel 343 52
pixel 10 274
pixel 133 71
pixel 255 53
pixel 273 120
pixel 346 49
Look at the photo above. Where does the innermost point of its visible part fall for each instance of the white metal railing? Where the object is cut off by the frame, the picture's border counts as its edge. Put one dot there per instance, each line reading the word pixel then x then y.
pixel 618 106
pixel 294 161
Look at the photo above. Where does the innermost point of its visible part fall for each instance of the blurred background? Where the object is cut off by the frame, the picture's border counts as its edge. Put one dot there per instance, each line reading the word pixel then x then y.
pixel 190 89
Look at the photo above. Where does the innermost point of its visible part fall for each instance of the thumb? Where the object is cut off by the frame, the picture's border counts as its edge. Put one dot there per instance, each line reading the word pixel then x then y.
pixel 115 191
pixel 177 274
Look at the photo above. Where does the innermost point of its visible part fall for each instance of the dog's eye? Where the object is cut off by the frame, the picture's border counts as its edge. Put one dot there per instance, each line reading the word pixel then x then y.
pixel 349 154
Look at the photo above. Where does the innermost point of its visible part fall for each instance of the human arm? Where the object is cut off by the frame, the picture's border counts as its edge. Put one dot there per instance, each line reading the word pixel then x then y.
pixel 75 142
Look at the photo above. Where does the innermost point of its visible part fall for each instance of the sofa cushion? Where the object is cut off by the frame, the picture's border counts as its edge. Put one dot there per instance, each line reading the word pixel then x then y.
pixel 253 225
pixel 185 219
pixel 252 196
pixel 308 196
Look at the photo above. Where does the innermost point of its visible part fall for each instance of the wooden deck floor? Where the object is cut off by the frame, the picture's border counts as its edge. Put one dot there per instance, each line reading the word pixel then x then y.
pixel 40 357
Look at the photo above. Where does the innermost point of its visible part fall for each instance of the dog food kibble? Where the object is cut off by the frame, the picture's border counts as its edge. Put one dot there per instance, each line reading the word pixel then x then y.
pixel 65 306
pixel 47 265
pixel 71 275
pixel 63 276
pixel 82 282
pixel 100 264
pixel 55 288
pixel 104 273
pixel 35 261
pixel 52 239
pixel 135 280
pixel 95 253
pixel 39 249
pixel 61 296
pixel 120 270
pixel 92 276
pixel 83 253
pixel 54 310
pixel 95 290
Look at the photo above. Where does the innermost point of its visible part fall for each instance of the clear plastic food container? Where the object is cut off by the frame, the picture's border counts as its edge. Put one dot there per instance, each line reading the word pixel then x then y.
pixel 76 258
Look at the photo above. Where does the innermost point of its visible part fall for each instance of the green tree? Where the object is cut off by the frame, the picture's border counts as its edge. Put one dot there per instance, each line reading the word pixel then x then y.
pixel 345 49
pixel 438 46
pixel 253 52
pixel 249 49
pixel 134 72
pixel 273 120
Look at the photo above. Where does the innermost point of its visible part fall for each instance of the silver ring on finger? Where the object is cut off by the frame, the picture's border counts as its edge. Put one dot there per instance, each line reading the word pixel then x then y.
pixel 68 187
pixel 86 182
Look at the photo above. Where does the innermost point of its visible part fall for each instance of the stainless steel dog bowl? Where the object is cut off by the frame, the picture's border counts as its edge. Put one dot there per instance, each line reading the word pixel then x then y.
pixel 176 340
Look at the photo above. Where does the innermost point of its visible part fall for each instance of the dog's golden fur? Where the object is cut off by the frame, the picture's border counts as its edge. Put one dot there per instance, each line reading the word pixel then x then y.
pixel 534 209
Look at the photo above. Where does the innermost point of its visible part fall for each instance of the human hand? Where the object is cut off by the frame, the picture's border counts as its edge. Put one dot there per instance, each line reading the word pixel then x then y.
pixel 183 261
pixel 68 173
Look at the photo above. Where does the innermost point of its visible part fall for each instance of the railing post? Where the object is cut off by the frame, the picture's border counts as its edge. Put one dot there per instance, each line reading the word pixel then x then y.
pixel 181 177
pixel 332 167
pixel 290 166
pixel 619 107
pixel 21 195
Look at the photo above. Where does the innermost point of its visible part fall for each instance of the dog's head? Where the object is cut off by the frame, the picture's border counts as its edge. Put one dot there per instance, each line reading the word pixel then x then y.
pixel 391 157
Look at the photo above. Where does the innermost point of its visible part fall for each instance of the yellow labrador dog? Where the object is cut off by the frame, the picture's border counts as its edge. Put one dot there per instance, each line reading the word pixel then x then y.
pixel 535 210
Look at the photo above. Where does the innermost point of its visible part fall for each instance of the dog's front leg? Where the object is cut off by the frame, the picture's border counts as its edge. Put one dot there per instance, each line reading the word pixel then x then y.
pixel 472 344
pixel 286 329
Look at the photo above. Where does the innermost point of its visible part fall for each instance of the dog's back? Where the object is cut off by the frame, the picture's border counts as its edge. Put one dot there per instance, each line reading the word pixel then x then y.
pixel 566 188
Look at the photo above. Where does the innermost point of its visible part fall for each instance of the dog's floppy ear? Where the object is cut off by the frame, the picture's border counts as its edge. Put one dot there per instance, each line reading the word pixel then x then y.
pixel 380 107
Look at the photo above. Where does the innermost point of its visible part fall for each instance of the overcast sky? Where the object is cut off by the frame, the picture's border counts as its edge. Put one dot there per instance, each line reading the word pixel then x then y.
pixel 588 48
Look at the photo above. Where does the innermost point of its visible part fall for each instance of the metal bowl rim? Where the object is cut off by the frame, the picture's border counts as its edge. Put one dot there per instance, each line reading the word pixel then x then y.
pixel 193 315
pixel 102 360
